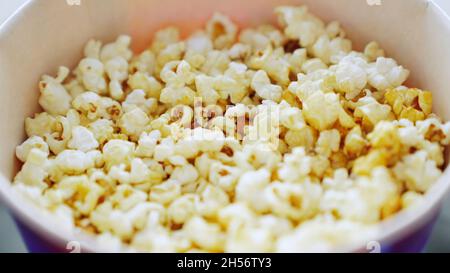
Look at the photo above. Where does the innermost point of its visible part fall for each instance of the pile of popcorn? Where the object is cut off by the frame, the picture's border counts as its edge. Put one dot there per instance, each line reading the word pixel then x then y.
pixel 263 139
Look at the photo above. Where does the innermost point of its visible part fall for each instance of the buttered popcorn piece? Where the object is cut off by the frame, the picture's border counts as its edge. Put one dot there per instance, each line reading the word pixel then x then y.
pixel 271 138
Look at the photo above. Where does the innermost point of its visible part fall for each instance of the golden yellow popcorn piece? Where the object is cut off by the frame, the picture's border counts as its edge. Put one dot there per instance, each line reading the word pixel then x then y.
pixel 365 164
pixel 413 104
pixel 354 143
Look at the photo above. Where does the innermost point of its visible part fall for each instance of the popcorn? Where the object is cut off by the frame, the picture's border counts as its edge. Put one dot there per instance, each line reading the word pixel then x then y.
pixel 211 201
pixel 263 87
pixel 254 140
pixel 412 199
pixel 102 130
pixel 297 59
pixel 323 234
pixel 133 123
pixel 147 143
pixel 418 172
pixel 138 174
pixel 221 31
pixel 106 219
pixel 322 120
pixel 351 76
pixel 364 201
pixel 144 63
pixel 54 98
pixel 91 72
pixel 127 198
pixel 172 52
pixel 185 174
pixel 293 200
pixel 250 188
pixel 370 111
pixel 40 125
pixel 76 162
pixel 176 91
pixel 226 177
pixel 117 71
pixel 250 240
pixel 328 142
pixel 166 192
pixel 82 139
pixel 182 209
pixel 354 143
pixel 292 118
pixel 313 65
pixel 216 62
pixel 92 49
pixel 373 51
pixel 254 39
pixel 60 135
pixel 165 37
pixel 197 227
pixel 119 48
pixel 34 171
pixel 143 81
pixel 385 74
pixel 305 137
pixel 326 48
pixel 272 62
pixel 118 151
pixel 296 165
pixel 87 192
pixel 412 104
pixel 34 142
pixel 300 25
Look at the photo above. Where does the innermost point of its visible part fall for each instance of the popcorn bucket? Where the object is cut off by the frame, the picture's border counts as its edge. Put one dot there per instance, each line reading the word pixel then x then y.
pixel 44 34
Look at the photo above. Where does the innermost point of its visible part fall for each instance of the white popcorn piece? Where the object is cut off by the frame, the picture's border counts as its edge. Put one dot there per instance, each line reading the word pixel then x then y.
pixel 295 165
pixel 261 84
pixel 119 48
pixel 221 31
pixel 82 139
pixel 196 229
pixel 251 186
pixel 144 81
pixel 250 240
pixel 185 174
pixel 351 76
pixel 322 235
pixel 326 48
pixel 418 172
pixel 76 162
pixel 40 125
pixel 133 123
pixel 295 201
pixel 102 129
pixel 34 171
pixel 182 209
pixel 385 73
pixel 300 25
pixel 54 98
pixel 34 142
pixel 147 143
pixel 118 151
pixel 91 72
pixel 137 98
pixel 328 142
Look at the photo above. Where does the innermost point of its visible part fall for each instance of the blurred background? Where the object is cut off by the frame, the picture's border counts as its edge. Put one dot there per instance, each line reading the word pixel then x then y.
pixel 10 240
